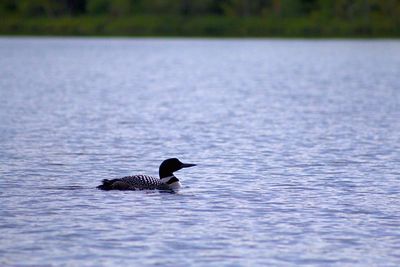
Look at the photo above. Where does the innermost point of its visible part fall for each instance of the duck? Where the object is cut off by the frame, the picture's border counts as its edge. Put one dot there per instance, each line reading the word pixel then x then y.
pixel 167 180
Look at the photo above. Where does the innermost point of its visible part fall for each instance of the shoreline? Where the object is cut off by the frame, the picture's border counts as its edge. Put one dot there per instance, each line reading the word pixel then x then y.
pixel 198 27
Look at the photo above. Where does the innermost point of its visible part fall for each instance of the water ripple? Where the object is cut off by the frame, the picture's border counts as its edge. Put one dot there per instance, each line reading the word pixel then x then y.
pixel 296 142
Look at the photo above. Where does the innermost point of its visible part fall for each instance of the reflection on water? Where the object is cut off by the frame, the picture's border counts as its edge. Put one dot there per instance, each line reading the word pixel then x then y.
pixel 296 142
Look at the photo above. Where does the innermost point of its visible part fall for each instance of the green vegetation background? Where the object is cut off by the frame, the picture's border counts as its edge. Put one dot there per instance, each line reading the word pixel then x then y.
pixel 212 18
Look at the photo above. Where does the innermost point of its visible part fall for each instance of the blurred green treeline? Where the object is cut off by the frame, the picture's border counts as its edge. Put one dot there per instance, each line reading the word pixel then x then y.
pixel 225 18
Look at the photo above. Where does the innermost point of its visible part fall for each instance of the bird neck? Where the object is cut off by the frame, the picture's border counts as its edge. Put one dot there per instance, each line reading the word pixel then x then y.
pixel 172 182
pixel 164 173
pixel 169 179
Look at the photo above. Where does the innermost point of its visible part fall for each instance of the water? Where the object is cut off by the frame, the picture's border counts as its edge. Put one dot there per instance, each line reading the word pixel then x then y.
pixel 297 145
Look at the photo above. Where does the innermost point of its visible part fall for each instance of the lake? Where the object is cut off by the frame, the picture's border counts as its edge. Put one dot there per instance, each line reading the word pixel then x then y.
pixel 297 144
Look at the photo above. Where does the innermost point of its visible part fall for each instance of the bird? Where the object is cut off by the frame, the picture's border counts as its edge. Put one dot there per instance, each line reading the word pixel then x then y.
pixel 167 180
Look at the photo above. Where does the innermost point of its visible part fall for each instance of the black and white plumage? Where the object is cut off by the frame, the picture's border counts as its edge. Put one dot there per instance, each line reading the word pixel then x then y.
pixel 167 180
pixel 135 182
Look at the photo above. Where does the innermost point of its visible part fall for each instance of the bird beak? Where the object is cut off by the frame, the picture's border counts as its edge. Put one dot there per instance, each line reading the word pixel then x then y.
pixel 187 165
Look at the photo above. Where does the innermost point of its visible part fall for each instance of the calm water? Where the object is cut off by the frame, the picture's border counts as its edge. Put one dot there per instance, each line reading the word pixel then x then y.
pixel 297 145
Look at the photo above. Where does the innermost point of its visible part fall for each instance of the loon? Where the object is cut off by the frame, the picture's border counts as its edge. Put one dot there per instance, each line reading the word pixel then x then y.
pixel 167 180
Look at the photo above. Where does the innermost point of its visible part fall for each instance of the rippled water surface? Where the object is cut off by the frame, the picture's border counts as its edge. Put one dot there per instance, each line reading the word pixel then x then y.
pixel 297 145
